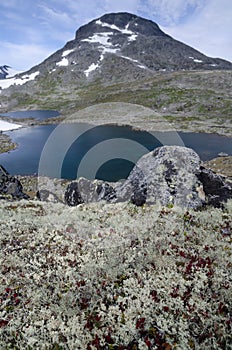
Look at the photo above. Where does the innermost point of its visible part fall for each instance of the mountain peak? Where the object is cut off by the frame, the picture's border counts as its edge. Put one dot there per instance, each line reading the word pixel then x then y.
pixel 132 22
pixel 123 22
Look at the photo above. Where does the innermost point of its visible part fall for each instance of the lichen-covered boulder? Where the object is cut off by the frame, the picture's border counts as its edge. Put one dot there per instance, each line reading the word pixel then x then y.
pixel 72 195
pixel 167 175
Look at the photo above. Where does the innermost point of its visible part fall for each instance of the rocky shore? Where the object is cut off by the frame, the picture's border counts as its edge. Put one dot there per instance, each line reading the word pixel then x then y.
pixel 170 175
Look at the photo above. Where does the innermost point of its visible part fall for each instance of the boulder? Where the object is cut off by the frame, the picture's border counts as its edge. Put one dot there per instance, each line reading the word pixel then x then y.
pixel 10 186
pixel 168 175
pixel 87 191
pixel 72 195
pixel 215 187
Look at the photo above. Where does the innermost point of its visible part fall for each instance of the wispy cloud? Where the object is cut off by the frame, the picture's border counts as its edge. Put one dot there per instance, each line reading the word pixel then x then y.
pixel 23 56
pixel 50 16
pixel 170 12
pixel 209 31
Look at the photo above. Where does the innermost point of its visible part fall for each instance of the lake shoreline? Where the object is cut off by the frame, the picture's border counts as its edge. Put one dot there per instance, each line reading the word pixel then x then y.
pixel 138 119
pixel 7 145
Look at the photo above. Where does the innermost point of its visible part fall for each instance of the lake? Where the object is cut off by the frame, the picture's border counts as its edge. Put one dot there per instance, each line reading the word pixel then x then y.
pixel 105 152
pixel 36 114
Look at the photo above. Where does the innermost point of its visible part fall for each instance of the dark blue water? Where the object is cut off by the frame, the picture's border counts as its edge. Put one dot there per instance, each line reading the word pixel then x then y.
pixel 37 114
pixel 109 162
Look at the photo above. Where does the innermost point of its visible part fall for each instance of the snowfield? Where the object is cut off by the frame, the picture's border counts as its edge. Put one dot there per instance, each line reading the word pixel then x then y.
pixel 5 126
pixel 5 83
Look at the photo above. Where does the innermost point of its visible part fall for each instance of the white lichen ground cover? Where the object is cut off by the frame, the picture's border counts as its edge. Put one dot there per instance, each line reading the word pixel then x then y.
pixel 114 277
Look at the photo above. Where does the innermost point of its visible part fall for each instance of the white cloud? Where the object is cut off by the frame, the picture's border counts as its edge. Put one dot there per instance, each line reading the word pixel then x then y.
pixel 210 31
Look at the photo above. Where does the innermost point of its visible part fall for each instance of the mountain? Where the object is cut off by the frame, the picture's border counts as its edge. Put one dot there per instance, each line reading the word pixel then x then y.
pixel 117 48
pixel 119 43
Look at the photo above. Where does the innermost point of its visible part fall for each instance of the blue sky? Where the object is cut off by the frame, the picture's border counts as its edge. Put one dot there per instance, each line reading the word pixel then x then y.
pixel 31 30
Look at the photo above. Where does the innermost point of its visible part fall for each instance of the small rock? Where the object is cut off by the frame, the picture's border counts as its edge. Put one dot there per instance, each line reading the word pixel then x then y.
pixel 72 195
pixel 215 187
pixel 223 154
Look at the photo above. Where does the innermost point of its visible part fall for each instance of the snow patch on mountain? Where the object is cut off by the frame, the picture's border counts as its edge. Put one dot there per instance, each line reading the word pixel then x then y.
pixel 63 62
pixel 67 52
pixel 105 47
pixel 5 83
pixel 114 27
pixel 132 35
pixel 91 68
pixel 196 60
pixel 135 61
pixel 100 38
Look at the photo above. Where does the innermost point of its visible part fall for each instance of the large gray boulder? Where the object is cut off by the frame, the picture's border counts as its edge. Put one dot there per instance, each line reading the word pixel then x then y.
pixel 168 175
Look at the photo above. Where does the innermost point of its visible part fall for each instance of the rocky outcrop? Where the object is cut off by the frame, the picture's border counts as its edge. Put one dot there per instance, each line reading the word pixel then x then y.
pixel 170 175
pixel 10 187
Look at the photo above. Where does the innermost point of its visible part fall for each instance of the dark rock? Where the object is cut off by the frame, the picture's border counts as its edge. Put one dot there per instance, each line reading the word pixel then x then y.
pixel 88 191
pixel 215 187
pixel 72 195
pixel 45 195
pixel 138 189
pixel 105 192
pixel 10 186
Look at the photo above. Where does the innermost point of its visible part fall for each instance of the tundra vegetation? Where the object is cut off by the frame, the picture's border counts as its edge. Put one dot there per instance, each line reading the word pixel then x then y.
pixel 114 276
